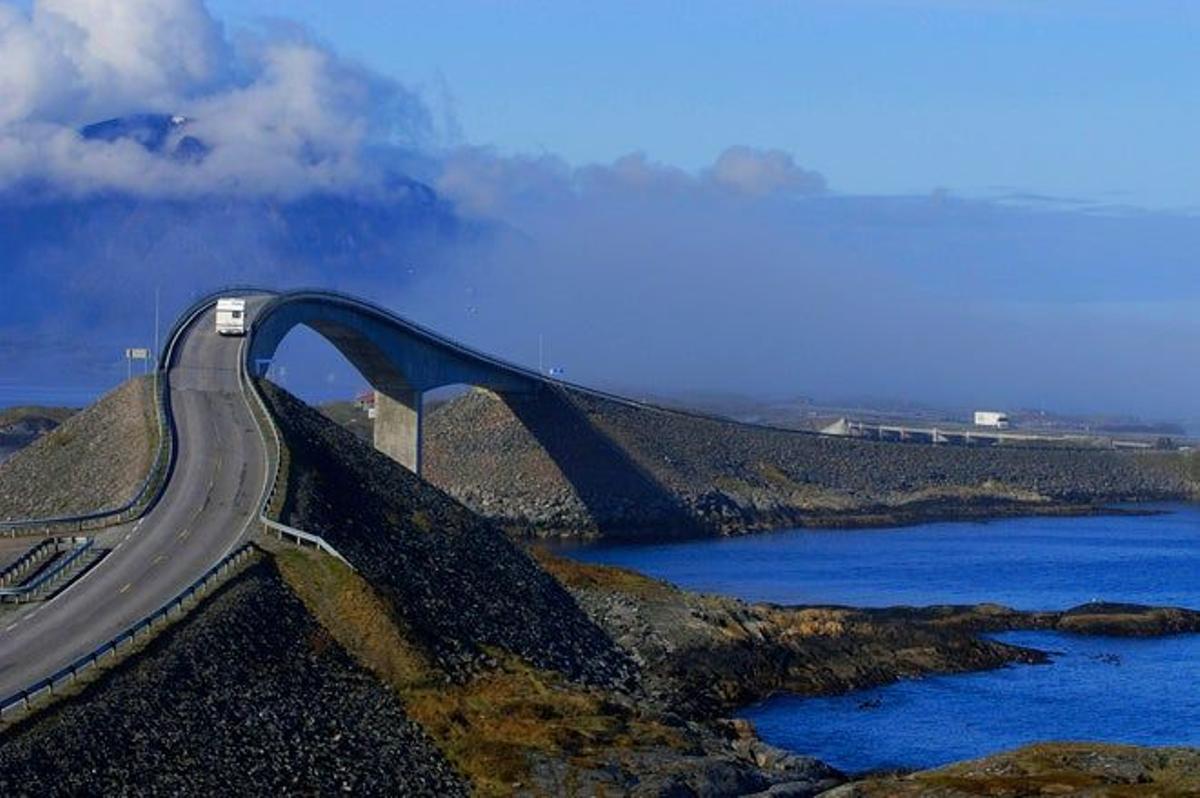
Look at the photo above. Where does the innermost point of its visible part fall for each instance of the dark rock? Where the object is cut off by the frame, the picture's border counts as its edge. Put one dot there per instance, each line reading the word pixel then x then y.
pixel 248 695
pixel 457 582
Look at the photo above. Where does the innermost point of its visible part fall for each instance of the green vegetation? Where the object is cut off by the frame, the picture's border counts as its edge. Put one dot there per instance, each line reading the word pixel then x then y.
pixel 576 575
pixel 489 727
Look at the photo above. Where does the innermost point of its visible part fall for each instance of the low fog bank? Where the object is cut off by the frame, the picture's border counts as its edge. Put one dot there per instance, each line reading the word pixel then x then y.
pixel 638 275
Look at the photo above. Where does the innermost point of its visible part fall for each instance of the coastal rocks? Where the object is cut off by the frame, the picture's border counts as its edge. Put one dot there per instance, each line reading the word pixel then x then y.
pixel 1093 618
pixel 1092 769
pixel 713 769
pixel 1128 620
pixel 24 429
pixel 248 691
pixel 707 655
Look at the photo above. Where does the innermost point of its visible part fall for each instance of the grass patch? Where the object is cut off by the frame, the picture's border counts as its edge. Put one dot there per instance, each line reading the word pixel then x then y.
pixel 490 727
pixel 1059 769
pixel 356 615
pixel 421 520
pixel 775 476
pixel 586 576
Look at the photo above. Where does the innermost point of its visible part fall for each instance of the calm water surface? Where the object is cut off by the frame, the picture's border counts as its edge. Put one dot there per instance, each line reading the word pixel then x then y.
pixel 1136 691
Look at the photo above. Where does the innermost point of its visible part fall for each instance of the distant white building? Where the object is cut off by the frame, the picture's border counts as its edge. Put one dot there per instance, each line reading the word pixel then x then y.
pixel 991 418
pixel 366 401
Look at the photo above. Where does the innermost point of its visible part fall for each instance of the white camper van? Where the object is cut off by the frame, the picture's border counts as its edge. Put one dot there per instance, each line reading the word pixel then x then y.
pixel 231 316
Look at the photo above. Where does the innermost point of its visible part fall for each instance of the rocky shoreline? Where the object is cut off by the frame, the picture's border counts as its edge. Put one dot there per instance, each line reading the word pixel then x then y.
pixel 717 654
pixel 1091 769
pixel 450 659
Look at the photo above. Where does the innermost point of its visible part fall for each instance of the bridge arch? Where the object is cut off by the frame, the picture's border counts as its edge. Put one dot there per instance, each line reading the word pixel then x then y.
pixel 401 360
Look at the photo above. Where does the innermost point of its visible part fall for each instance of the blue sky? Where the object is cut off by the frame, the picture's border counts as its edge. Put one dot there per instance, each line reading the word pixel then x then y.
pixel 1083 99
pixel 1010 218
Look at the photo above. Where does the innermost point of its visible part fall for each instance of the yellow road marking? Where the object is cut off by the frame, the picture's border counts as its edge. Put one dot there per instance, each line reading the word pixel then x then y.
pixel 127 586
pixel 184 534
pixel 159 559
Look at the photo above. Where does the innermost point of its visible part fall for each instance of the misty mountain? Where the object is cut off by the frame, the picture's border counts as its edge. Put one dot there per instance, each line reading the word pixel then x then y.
pixel 80 272
pixel 158 133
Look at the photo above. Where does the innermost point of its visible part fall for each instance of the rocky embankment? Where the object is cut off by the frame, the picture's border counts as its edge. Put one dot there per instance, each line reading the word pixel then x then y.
pixel 455 580
pixel 248 695
pixel 488 651
pixel 568 463
pixel 95 459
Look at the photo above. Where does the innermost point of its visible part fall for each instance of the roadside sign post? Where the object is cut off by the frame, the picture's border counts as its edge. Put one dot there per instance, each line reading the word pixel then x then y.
pixel 138 353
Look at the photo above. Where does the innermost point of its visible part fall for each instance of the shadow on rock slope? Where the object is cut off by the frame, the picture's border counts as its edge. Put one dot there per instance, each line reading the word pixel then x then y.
pixel 455 580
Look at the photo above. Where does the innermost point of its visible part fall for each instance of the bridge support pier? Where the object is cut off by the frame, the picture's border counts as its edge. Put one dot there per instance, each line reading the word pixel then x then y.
pixel 398 427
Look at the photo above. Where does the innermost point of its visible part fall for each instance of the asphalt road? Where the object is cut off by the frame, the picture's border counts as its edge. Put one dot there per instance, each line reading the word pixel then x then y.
pixel 203 514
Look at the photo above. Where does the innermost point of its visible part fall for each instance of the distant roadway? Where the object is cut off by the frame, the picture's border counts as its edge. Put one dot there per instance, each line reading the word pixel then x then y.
pixel 204 513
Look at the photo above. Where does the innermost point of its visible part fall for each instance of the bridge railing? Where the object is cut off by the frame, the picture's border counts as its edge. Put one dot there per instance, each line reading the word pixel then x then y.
pixel 116 647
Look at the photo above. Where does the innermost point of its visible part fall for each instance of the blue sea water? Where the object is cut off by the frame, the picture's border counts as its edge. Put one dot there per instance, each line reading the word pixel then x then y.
pixel 1110 689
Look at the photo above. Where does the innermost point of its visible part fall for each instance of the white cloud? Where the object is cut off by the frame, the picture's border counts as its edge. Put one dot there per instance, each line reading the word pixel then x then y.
pixel 760 172
pixel 484 182
pixel 281 114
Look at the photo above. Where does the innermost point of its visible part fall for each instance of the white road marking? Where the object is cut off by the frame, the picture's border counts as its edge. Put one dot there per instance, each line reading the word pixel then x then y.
pixel 127 586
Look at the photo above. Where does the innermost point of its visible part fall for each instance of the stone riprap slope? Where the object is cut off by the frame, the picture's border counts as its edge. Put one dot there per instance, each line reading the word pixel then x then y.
pixel 94 460
pixel 457 583
pixel 633 471
pixel 249 694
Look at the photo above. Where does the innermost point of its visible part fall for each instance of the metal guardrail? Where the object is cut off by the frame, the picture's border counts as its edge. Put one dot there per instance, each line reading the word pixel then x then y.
pixel 274 449
pixel 16 569
pixel 172 610
pixel 24 699
pixel 26 591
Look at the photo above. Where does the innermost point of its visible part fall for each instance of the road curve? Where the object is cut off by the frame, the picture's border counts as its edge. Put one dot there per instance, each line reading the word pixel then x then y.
pixel 205 511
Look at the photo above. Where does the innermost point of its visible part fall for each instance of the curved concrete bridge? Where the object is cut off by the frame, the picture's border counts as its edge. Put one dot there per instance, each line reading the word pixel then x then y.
pixel 219 477
pixel 401 360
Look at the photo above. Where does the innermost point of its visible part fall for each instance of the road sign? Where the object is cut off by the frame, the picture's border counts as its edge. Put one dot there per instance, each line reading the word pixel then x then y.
pixel 136 353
